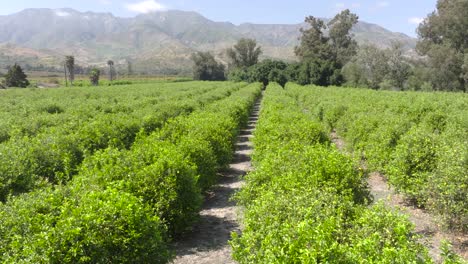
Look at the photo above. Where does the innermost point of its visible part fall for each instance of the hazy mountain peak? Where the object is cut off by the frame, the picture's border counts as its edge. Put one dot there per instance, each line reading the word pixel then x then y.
pixel 62 13
pixel 165 37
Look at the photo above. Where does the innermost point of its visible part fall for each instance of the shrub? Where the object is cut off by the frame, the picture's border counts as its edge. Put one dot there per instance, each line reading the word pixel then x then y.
pixel 15 77
pixel 94 76
pixel 109 226
pixel 153 171
pixel 412 162
pixel 64 226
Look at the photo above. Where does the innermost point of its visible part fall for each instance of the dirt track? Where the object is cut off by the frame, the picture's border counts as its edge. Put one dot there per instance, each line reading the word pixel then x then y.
pixel 208 243
pixel 425 224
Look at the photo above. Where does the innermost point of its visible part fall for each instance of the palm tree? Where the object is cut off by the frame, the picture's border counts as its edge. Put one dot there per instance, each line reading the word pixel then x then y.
pixel 111 70
pixel 70 67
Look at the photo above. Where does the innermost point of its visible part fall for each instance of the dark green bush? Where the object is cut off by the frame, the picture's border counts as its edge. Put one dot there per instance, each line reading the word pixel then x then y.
pixel 412 162
pixel 63 226
pixel 108 226
pixel 53 109
pixel 31 162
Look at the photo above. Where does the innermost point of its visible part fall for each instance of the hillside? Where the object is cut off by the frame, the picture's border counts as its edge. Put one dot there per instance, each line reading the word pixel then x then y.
pixel 155 42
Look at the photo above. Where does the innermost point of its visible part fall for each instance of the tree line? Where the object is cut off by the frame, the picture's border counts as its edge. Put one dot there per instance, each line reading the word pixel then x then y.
pixel 15 76
pixel 94 72
pixel 328 55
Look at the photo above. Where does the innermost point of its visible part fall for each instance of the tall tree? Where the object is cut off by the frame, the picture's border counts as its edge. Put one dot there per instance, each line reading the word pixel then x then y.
pixel 338 46
pixel 206 68
pixel 70 68
pixel 443 37
pixel 343 45
pixel 244 54
pixel 15 77
pixel 110 63
pixel 129 68
pixel 94 76
pixel 376 68
pixel 398 69
pixel 368 68
pixel 465 68
pixel 313 42
pixel 323 56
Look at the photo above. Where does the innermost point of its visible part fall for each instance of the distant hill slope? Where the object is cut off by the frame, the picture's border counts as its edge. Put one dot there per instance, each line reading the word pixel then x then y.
pixel 155 42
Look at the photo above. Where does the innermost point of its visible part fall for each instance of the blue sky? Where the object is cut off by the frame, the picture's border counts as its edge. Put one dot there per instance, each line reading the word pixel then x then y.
pixel 396 15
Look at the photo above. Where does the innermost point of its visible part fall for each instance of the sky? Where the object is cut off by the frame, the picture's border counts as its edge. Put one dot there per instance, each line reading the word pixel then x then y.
pixel 395 15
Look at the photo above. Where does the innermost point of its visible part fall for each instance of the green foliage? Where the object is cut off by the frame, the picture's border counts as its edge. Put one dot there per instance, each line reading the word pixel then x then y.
pixel 108 226
pixel 320 72
pixel 112 72
pixel 268 71
pixel 239 75
pixel 15 77
pixel 368 68
pixel 65 226
pixel 324 56
pixel 448 183
pixel 442 37
pixel 278 76
pixel 306 202
pixel 42 148
pixel 265 72
pixel 244 54
pixel 383 236
pixel 310 71
pixel 449 257
pixel 344 47
pixel 125 204
pixel 206 68
pixel 70 68
pixel 155 172
pixel 31 162
pixel 418 140
pixel 94 76
pixel 446 69
pixel 314 43
pixel 399 69
pixel 411 162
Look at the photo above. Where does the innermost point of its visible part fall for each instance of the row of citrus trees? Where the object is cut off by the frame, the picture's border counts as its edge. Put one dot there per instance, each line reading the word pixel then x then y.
pixel 46 147
pixel 307 203
pixel 28 112
pixel 419 141
pixel 124 205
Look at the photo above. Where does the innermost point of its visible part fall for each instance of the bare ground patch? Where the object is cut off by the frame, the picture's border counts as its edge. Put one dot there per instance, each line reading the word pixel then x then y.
pixel 426 225
pixel 208 242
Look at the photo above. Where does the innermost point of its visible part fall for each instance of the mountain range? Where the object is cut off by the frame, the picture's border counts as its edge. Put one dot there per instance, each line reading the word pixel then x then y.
pixel 159 42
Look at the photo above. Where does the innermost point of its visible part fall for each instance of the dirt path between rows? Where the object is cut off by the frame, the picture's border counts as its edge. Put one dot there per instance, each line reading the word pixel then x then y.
pixel 425 224
pixel 208 243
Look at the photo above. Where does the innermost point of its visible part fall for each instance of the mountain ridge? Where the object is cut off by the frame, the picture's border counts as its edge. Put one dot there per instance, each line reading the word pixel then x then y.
pixel 155 42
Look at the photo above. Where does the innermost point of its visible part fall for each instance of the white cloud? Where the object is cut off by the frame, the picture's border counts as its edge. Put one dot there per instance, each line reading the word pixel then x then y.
pixel 342 6
pixel 146 6
pixel 61 13
pixel 339 7
pixel 378 6
pixel 415 20
pixel 383 4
